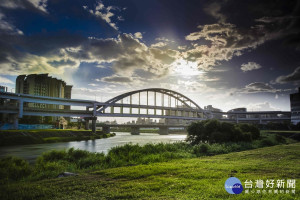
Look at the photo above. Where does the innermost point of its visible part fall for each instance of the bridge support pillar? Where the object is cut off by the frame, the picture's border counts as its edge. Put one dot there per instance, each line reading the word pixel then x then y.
pixel 86 123
pixel 20 108
pixel 135 130
pixel 106 129
pixel 163 130
pixel 260 120
pixel 16 121
pixel 94 119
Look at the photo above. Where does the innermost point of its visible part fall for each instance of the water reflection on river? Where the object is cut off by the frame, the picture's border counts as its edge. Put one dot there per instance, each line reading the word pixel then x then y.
pixel 30 152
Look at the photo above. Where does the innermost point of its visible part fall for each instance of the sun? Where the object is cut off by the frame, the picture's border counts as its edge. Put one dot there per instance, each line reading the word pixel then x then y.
pixel 186 68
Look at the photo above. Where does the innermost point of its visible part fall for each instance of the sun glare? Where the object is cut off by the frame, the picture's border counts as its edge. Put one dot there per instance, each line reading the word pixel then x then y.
pixel 186 68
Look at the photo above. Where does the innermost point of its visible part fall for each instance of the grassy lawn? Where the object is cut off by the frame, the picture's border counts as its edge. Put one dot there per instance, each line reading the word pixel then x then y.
pixel 194 178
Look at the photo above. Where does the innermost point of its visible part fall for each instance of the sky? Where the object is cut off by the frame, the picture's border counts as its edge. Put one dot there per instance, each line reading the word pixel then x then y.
pixel 226 53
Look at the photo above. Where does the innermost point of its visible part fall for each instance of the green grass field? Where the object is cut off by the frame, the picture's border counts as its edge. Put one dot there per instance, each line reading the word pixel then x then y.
pixel 193 178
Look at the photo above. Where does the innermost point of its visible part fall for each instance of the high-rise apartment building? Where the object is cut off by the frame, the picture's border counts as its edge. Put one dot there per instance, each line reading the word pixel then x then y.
pixel 295 107
pixel 43 85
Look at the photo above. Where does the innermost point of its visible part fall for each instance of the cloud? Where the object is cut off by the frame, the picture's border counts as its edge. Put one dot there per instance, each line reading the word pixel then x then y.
pixel 194 86
pixel 117 79
pixel 102 93
pixel 214 9
pixel 165 56
pixel 5 80
pixel 30 63
pixel 159 44
pixel 53 53
pixel 105 13
pixel 8 28
pixel 290 78
pixel 258 87
pixel 265 106
pixel 122 80
pixel 138 35
pixel 37 5
pixel 224 40
pixel 164 39
pixel 250 66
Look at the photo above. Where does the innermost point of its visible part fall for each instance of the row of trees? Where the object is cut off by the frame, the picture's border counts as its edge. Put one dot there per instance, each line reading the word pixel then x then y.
pixel 214 131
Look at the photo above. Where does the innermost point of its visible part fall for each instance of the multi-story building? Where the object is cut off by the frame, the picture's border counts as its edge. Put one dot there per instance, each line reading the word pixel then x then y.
pixel 237 110
pixel 216 115
pixel 295 107
pixel 43 85
pixel 3 89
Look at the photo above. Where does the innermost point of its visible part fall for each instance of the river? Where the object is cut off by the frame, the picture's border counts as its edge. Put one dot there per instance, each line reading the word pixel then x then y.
pixel 31 152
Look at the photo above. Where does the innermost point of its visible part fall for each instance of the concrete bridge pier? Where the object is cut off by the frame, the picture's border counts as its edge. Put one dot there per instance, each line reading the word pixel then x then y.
pixel 106 129
pixel 16 121
pixel 135 130
pixel 163 130
pixel 94 119
pixel 86 120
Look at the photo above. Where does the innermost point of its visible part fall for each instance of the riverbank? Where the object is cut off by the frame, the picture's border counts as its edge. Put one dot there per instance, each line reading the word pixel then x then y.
pixel 188 178
pixel 150 130
pixel 22 137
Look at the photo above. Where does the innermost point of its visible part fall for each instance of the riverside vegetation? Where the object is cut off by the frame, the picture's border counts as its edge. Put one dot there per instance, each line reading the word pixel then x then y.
pixel 183 170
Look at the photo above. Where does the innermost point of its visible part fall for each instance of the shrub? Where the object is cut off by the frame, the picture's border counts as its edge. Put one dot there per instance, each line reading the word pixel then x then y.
pixel 14 168
pixel 247 137
pixel 249 128
pixel 200 149
pixel 53 155
pixel 75 155
pixel 280 138
pixel 267 142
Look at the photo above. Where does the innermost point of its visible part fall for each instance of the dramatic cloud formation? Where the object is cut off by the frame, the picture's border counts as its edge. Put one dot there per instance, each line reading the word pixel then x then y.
pixel 120 45
pixel 250 66
pixel 226 41
pixel 290 78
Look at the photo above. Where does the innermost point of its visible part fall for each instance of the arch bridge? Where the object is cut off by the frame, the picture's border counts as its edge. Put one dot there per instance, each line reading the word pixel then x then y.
pixel 148 103
pixel 153 103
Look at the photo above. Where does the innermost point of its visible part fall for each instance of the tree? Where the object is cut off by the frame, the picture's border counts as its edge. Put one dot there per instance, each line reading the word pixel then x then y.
pixel 214 131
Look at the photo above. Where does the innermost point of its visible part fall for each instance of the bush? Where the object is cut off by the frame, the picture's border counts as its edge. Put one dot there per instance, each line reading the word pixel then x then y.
pixel 200 149
pixel 247 137
pixel 249 128
pixel 14 168
pixel 280 138
pixel 267 142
